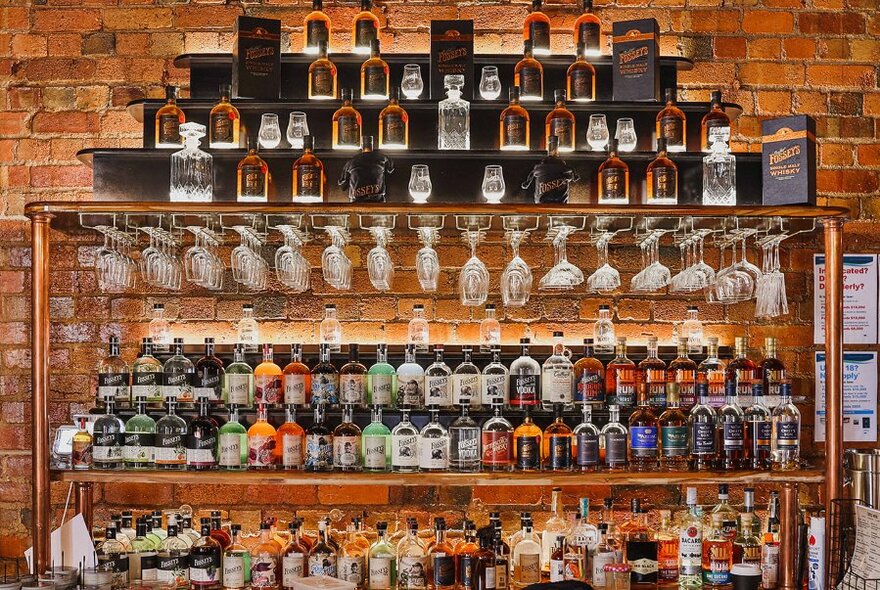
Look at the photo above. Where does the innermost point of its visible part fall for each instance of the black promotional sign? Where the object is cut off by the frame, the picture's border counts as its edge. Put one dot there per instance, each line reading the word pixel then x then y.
pixel 452 52
pixel 636 65
pixel 256 58
pixel 788 157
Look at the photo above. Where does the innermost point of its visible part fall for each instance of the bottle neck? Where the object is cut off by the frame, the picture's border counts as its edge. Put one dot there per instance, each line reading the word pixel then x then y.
pixel 290 413
pixel 233 413
pixel 382 354
pixel 261 412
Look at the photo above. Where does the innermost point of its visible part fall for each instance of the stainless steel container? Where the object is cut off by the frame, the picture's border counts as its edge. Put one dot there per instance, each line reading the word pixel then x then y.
pixel 863 475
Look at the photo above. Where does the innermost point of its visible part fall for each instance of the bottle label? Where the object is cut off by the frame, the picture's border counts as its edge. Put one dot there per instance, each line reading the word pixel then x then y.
pixel 665 183
pixel 770 565
pixel 108 447
pixel 267 389
pixel 557 385
pixel 201 451
pixel 173 569
pixel 718 573
pixel 178 386
pixel 743 381
pixel 489 578
pixel 381 387
pixel 113 386
pixel 230 450
pixel 716 386
pixel 674 441
pixel 375 451
pixel 613 184
pixel 319 451
pixel 703 438
pixel 380 573
pixel 672 129
pixel 625 387
pixel 539 33
pixel 690 550
pixel 524 390
pixel 529 568
pixel 563 129
pixel 435 453
pixel 394 129
pixel 573 566
pixel 322 565
pixel 772 384
pixel 589 387
pixel 351 569
pixel 222 127
pixel 413 573
pixel 322 81
pixel 204 570
pixel 209 384
pixel 238 388
pixel 467 445
pixel 557 570
pixel 655 387
pixel 528 452
pixel 438 390
pixel 309 181
pixel 465 389
pixel 405 450
pixel 348 131
pixel 514 131
pixel 582 84
pixel 351 389
pixel 560 452
pixel 169 129
pixel 233 571
pixel 317 31
pixel 263 571
pixel 346 451
pixel 292 568
pixel 501 573
pixel 375 80
pixel 530 83
pixel 642 558
pixel 325 388
pixel 788 435
pixel 734 436
pixel 146 384
pixel 686 382
pixel 410 388
pixel 139 447
pixel 615 448
pixel 295 389
pixel 600 560
pixel 760 432
pixel 364 33
pixel 643 441
pixel 493 386
pixel 497 448
pixel 292 450
pixel 261 450
pixel 588 34
pixel 444 570
pixel 147 565
pixel 587 449
pixel 81 454
pixel 466 571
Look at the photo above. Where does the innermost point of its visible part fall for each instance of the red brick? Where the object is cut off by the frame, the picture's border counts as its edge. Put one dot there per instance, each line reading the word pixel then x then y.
pixel 730 47
pixel 765 49
pixel 14 18
pixel 713 21
pixel 67 19
pixel 12 124
pixel 353 494
pixel 205 17
pixel 831 23
pixel 835 154
pixel 139 19
pixel 498 495
pixel 850 76
pixel 847 181
pixel 768 73
pixel 58 69
pixel 29 45
pixel 799 48
pixel 11 281
pixel 869 155
pixel 65 122
pixel 766 21
pixel 138 495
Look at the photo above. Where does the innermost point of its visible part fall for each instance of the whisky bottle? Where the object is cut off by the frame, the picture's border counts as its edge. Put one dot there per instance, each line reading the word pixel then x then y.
pixel 620 378
pixel 169 118
pixel 497 442
pixel 643 434
pixel 365 28
pixel 786 436
pixel 484 566
pixel 613 178
pixel 586 442
pixel 715 126
pixel 651 376
pixel 671 125
pixel 612 441
pixel 581 78
pixel 741 373
pixel 394 124
pixel 759 430
pixel 322 76
pixel 267 380
pixel 347 443
pixel 441 559
pixel 771 372
pixel 589 377
pixel 560 122
pixel 536 29
pixel 502 560
pixel 225 122
pixel 528 76
pixel 526 556
pixel 681 376
pixel 353 379
pixel 641 547
pixel 316 26
pixel 713 371
pixel 114 377
pixel 253 176
pixel 527 444
pixel 346 125
pixel 662 176
pixel 703 449
pixel 296 378
pixel 438 381
pixel 374 75
pixel 464 558
pixel 673 424
pixel 587 30
pixel 514 124
pixel 557 449
pixel 525 379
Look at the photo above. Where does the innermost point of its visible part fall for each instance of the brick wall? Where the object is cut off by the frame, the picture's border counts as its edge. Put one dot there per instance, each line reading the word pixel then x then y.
pixel 70 66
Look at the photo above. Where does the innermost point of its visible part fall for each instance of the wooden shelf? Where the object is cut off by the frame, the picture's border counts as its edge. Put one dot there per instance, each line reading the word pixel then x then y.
pixel 298 478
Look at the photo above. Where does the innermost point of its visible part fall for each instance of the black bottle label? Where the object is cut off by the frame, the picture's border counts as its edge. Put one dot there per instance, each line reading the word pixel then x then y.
pixel 615 448
pixel 322 82
pixel 253 181
pixel 514 131
pixel 672 129
pixel 140 439
pixel 348 132
pixel 317 32
pixel 108 439
pixel 444 570
pixel 524 390
pixel 665 181
pixel 674 441
pixel 116 562
pixel 221 128
pixel 201 442
pixel 466 571
pixel 393 129
pixel 528 452
pixel 539 33
pixel 564 130
pixel 146 379
pixel 375 81
pixel 581 87
pixel 173 563
pixel 734 436
pixel 308 181
pixel 613 184
pixel 113 379
pixel 210 379
pixel 788 435
pixel 587 449
pixel 169 129
pixel 178 379
pixel 560 452
pixel 703 438
pixel 530 82
pixel 169 441
pixel 642 557
pixel 365 31
pixel 588 34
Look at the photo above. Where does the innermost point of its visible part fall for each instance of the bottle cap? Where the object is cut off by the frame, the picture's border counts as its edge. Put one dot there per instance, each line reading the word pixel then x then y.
pixel 588 341
pixel 367 142
pixel 588 4
pixel 716 97
pixel 669 94
pixel 158 306
pixel 490 306
pixel 347 94
pixel 559 95
pixel 513 93
pixel 247 306
pixel 171 92
pixel 330 306
pixel 418 307
pixel 604 307
pixel 308 142
pixel 528 45
pixel 225 89
pixel 525 340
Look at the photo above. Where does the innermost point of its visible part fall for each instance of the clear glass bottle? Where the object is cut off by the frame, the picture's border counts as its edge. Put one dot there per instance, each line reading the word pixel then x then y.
pixel 494 382
pixel 730 431
pixel 418 333
pixel 604 554
pixel 585 438
pixel 232 444
pixel 613 441
pixel 454 114
pixel 490 330
pixel 466 381
pixel 464 443
pixel 786 436
pixel 729 515
pixel 140 438
pixel 557 375
pixel 201 440
pixel 381 380
pixel 108 447
pixel 192 170
pixel 604 338
pixel 525 378
pixel 236 562
pixel 238 381
pixel 690 545
pixel 294 556
pixel 703 445
pixel 142 557
pixel 580 544
pixel 351 565
pixel 290 442
pixel 376 443
pixel 248 329
pixel 527 558
pixel 261 441
pixel 173 560
pixel 331 329
pixel 205 560
pixel 621 379
pixel 557 525
pixel 692 329
pixel 747 545
pixel 383 561
pixel 410 381
pixel 438 381
pixel 319 444
pixel 347 443
pixel 434 445
pixel 178 375
pixel 325 380
pixel 719 176
pixel 112 556
pixel 405 445
pixel 297 378
pixel 412 561
pixel 114 377
pixel 265 560
pixel 759 430
pixel 353 379
pixel 159 329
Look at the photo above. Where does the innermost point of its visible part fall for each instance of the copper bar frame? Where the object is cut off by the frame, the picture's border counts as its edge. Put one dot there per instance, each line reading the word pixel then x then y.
pixel 82 495
pixel 788 532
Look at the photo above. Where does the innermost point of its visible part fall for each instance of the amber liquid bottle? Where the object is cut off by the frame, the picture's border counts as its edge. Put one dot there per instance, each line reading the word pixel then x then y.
pixel 741 373
pixel 681 375
pixel 715 125
pixel 643 435
pixel 589 377
pixel 322 76
pixel 528 76
pixel 364 29
pixel 374 75
pixel 169 118
pixel 316 28
pixel 613 178
pixel 557 447
pixel 651 376
pixel 620 379
pixel 673 424
pixel 527 444
pixel 394 124
pixel 672 125
pixel 560 122
pixel 587 30
pixel 771 373
pixel 347 125
pixel 662 177
pixel 514 124
pixel 536 29
pixel 308 175
pixel 581 78
pixel 297 379
pixel 253 176
pixel 224 123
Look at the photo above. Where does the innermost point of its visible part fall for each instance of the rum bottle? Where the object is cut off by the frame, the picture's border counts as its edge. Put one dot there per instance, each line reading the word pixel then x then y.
pixel 613 178
pixel 296 378
pixel 536 29
pixel 667 550
pixel 514 124
pixel 662 176
pixel 620 379
pixel 308 179
pixel 267 380
pixel 560 122
pixel 365 28
pixel 681 376
pixel 394 124
pixel 316 26
pixel 701 425
pixel 785 440
pixel 319 444
pixel 759 430
pixel 747 545
pixel 589 377
pixel 347 125
pixel 169 118
pixel 374 75
pixel 322 75
pixel 651 376
pixel 225 122
pixel 528 76
pixel 772 373
pixel 643 435
pixel 728 513
pixel 253 176
pixel 741 373
pixel 671 125
pixel 290 441
pixel 715 125
pixel 690 545
pixel 713 371
pixel 717 555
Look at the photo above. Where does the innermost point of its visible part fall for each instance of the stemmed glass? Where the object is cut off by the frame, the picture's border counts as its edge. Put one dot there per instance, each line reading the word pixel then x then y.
pixel 695 274
pixel 249 268
pixel 626 135
pixel 297 128
pixel 654 275
pixel 420 183
pixel 563 275
pixel 380 267
pixel 411 85
pixel 202 265
pixel 770 297
pixel 335 264
pixel 493 184
pixel 159 265
pixel 270 131
pixel 490 83
pixel 291 267
pixel 733 283
pixel 473 280
pixel 516 280
pixel 427 260
pixel 114 267
pixel 597 133
pixel 606 278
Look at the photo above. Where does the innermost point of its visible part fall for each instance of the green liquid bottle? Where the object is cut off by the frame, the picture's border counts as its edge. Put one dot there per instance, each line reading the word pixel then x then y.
pixel 238 382
pixel 376 441
pixel 140 438
pixel 382 380
pixel 232 446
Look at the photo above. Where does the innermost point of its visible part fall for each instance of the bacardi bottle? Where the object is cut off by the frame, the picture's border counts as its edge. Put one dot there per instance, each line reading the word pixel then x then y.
pixel 690 545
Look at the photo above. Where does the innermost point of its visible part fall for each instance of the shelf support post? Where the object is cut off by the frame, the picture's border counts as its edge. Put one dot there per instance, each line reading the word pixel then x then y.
pixel 82 491
pixel 40 225
pixel 788 532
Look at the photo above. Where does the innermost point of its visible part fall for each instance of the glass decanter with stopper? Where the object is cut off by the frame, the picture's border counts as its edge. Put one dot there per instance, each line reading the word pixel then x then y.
pixel 719 175
pixel 192 170
pixel 454 113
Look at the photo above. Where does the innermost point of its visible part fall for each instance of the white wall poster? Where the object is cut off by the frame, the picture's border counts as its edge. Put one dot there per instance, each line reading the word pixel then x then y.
pixel 859 396
pixel 859 299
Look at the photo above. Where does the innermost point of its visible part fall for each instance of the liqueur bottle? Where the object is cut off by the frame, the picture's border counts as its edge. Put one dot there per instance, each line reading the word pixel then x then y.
pixel 308 179
pixel 620 379
pixel 236 562
pixel 178 375
pixel 140 438
pixel 464 443
pixel 347 443
pixel 347 125
pixel 381 380
pixel 527 444
pixel 205 560
pixel 526 555
pixel 671 125
pixel 296 379
pixel 365 28
pixel 201 441
pixel 759 430
pixel 405 436
pixel 643 435
pixel 114 377
pixel 673 424
pixel 441 559
pixel 681 376
pixel 412 561
pixel 536 29
pixel 261 441
pixel 253 176
pixel 146 375
pixel 557 450
pixel 319 444
pixel 353 379
pixel 376 443
pixel 351 564
pixel 325 380
pixel 585 437
pixel 374 75
pixel 497 442
pixel 771 372
pixel 587 30
pixel 267 380
pixel 323 555
pixel 528 76
pixel 434 445
pixel 290 443
pixel 209 375
pixel 715 126
pixel 560 122
pixel 316 26
pixel 557 375
pixel 394 124
pixel 322 75
pixel 589 377
pixel 410 381
pixel 662 176
pixel 786 435
pixel 690 545
pixel 109 441
pixel 703 447
pixel 651 376
pixel 557 526
pixel 466 381
pixel 81 451
pixel 641 548
pixel 612 441
pixel 514 124
pixel 169 118
pixel 265 560
pixel 494 383
pixel 418 332
pixel 581 78
pixel 294 557
pixel 232 443
pixel 383 561
pixel 713 371
pixel 525 378
pixel 717 555
pixel 225 122
pixel 613 178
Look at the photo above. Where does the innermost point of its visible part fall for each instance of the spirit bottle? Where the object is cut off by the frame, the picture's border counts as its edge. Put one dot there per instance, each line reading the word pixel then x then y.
pixel 308 180
pixel 557 451
pixel 142 557
pixel 604 337
pixel 438 381
pixel 527 444
pixel 316 26
pixel 454 116
pixel 703 447
pixel 662 176
pixel 464 558
pixel 81 446
pixel 560 122
pixel 681 376
pixel 410 381
pixel 719 176
pixel 466 381
pixel 715 126
pixel 112 556
pixel 604 554
pixel 322 75
pixel 731 433
pixel 589 377
pixel 728 513
pixel 643 434
pixel 612 441
pixel 267 380
pixel 323 555
pixel 160 329
pixel 613 178
pixel 125 529
pixel 236 562
pixel 497 442
pixel 583 540
pixel 297 378
pixel 381 380
pixel 713 371
pixel 347 443
pixel 376 447
pixel 786 437
pixel 169 118
pixel 690 545
pixel 759 430
pixel 374 75
pixel 581 78
pixel 514 125
pixel 293 557
pixel 620 379
pixel 536 29
pixel 748 509
pixel 770 548
pixel 525 379
pixel 528 76
pixel 383 561
pixel 526 555
pixel 673 424
pixel 490 330
pixel 325 380
pixel 140 438
pixel 205 560
pixel 178 374
pixel 265 560
pixel 319 444
pixel 434 445
pixel 672 125
pixel 557 525
pixel 351 565
pixel 717 555
pixel 232 444
pixel 331 329
pixel 209 375
pixel 651 376
pixel 261 441
pixel 772 373
pixel 201 441
pixel 114 377
pixel 238 382
pixel 192 170
pixel 418 332
pixel 464 443
pixel 557 375
pixel 640 546
pixel 741 373
pixel 412 561
pixel 747 545
pixel 585 437
pixel 365 28
pixel 587 30
pixel 253 176
pixel 405 445
pixel 224 123
pixel 353 379
pixel 667 550
pixel 494 382
pixel 441 559
pixel 394 124
pixel 248 329
pixel 692 329
pixel 108 434
pixel 484 566
pixel 290 444
pixel 347 125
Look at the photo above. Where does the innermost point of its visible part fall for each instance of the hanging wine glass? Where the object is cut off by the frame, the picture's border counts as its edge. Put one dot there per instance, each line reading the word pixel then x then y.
pixel 564 275
pixel 516 280
pixel 335 265
pixel 427 260
pixel 380 267
pixel 473 280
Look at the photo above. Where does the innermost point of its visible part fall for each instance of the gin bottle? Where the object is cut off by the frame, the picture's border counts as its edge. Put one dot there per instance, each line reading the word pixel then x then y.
pixel 410 381
pixel 146 375
pixel 405 445
pixel 192 170
pixel 108 434
pixel 140 438
pixel 494 382
pixel 376 443
pixel 179 375
pixel 490 330
pixel 381 380
pixel 232 444
pixel 466 381
pixel 438 381
pixel 719 176
pixel 113 376
pixel 454 114
pixel 417 331
pixel 434 445
pixel 786 436
pixel 248 330
pixel 238 381
pixel 160 330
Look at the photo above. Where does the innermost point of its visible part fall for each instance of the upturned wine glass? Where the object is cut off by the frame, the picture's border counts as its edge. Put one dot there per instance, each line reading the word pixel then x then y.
pixel 516 280
pixel 473 280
